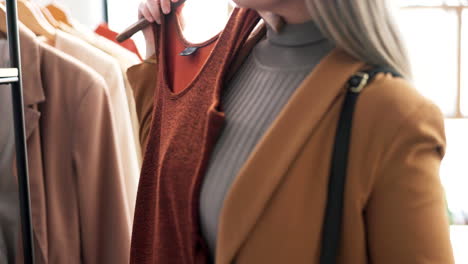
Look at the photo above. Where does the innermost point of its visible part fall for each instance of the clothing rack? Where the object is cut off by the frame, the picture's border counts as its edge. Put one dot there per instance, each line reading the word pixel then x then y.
pixel 12 76
pixel 105 7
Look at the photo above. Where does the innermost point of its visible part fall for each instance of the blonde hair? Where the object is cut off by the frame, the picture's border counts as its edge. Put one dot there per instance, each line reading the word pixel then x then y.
pixel 365 29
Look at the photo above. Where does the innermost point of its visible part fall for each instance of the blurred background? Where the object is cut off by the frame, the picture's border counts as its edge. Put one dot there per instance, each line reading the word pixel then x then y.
pixel 436 33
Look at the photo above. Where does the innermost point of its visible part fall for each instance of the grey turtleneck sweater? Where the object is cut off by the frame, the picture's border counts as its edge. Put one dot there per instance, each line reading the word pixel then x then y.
pixel 275 68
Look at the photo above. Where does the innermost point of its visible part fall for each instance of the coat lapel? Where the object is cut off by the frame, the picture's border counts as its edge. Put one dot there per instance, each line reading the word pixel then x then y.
pixel 32 81
pixel 263 172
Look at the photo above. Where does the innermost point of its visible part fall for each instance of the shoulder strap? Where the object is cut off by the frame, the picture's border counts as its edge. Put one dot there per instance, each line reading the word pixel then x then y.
pixel 334 211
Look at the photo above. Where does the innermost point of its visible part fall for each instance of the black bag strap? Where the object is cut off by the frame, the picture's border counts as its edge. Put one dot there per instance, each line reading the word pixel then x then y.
pixel 331 232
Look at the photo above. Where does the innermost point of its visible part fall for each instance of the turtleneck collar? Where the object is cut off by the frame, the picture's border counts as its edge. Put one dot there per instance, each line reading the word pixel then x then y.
pixel 295 34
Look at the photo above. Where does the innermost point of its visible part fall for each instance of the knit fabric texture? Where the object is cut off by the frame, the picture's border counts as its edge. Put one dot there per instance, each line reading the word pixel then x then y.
pixel 185 126
pixel 251 101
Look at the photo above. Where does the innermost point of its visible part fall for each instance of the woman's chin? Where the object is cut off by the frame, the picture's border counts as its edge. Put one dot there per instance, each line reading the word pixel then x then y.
pixel 265 5
pixel 238 3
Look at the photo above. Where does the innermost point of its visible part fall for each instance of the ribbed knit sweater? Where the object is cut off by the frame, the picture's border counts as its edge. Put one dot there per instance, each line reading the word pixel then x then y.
pixel 251 102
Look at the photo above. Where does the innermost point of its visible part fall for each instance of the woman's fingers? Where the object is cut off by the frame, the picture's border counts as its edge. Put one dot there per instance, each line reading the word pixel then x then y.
pixel 155 9
pixel 143 11
pixel 166 6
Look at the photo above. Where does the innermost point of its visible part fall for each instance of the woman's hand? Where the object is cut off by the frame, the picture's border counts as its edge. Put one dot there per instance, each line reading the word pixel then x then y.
pixel 153 10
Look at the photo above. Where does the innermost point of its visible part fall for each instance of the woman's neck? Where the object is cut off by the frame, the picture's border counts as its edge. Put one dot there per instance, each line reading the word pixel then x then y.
pixel 291 12
pixel 298 16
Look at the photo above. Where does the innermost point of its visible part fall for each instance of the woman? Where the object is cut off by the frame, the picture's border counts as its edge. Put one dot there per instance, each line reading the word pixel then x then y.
pixel 263 194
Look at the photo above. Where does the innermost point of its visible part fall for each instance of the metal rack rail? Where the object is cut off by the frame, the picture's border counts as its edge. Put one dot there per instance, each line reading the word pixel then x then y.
pixel 12 76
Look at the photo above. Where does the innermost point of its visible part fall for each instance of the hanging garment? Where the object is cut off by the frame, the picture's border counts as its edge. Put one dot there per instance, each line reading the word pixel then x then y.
pixel 78 201
pixel 124 58
pixel 104 31
pixel 109 69
pixel 185 126
pixel 143 89
pixel 9 197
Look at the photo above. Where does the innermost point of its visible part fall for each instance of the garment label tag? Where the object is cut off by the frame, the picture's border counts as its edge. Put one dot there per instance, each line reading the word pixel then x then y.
pixel 189 51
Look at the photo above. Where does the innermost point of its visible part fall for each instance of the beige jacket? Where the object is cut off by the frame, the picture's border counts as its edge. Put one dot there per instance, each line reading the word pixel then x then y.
pixel 76 182
pixel 124 57
pixel 109 69
pixel 394 208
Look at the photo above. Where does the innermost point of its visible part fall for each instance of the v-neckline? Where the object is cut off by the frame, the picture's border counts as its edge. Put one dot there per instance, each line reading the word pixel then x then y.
pixel 161 50
pixel 188 43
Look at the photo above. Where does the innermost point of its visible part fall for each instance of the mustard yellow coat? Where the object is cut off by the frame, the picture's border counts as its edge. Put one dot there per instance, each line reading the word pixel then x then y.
pixel 394 210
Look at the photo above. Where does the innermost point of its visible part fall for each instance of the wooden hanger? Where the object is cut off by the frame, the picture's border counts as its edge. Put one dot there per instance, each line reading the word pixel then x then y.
pixel 59 14
pixel 140 25
pixel 49 17
pixel 3 24
pixel 34 20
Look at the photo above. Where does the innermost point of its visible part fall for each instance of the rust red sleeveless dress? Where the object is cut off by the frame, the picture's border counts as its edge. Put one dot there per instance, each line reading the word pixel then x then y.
pixel 185 127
